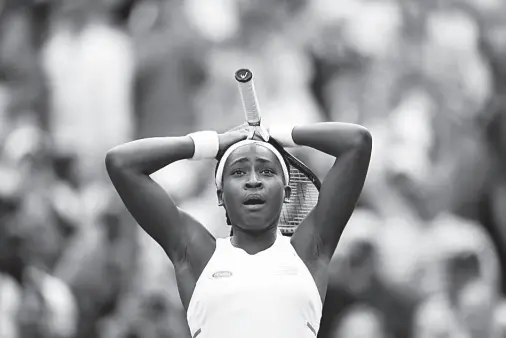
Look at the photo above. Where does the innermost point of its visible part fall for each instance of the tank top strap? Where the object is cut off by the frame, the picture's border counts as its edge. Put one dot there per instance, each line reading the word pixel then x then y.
pixel 224 244
pixel 280 239
pixel 283 243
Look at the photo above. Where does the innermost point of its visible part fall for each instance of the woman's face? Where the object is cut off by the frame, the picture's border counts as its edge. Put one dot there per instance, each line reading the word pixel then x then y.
pixel 253 189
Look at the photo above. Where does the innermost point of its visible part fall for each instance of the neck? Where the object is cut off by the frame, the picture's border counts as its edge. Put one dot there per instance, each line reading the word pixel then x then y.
pixel 254 242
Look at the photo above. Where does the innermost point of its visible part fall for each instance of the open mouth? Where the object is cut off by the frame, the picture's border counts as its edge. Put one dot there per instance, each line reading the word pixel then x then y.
pixel 254 200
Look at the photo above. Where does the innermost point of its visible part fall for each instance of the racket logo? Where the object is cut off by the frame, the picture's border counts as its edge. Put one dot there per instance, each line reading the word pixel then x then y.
pixel 222 274
pixel 243 75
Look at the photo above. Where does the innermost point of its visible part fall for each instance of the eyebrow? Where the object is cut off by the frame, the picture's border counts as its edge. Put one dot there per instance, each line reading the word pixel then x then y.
pixel 246 159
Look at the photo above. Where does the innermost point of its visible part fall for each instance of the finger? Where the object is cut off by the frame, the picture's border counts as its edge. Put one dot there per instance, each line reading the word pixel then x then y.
pixel 251 133
pixel 242 134
pixel 262 132
pixel 257 137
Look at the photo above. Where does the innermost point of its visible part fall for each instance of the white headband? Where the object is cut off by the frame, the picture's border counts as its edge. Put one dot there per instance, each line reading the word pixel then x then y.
pixel 221 166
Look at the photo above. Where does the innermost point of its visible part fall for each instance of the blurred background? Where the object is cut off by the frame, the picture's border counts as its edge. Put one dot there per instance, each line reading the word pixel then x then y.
pixel 424 254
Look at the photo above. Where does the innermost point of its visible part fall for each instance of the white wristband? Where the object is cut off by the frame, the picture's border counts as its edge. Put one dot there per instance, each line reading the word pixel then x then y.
pixel 283 134
pixel 206 144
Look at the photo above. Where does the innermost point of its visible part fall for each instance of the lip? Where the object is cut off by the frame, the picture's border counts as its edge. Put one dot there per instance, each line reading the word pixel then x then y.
pixel 253 207
pixel 253 196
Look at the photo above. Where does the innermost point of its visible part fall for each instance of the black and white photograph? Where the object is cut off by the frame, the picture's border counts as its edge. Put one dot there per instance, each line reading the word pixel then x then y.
pixel 252 168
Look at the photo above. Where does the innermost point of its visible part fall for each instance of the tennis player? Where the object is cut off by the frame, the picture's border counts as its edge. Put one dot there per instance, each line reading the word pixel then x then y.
pixel 256 283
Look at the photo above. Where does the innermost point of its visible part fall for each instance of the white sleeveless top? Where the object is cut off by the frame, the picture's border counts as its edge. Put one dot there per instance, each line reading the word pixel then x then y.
pixel 269 294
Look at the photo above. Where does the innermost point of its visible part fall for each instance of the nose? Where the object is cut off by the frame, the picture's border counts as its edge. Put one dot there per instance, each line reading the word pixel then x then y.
pixel 253 182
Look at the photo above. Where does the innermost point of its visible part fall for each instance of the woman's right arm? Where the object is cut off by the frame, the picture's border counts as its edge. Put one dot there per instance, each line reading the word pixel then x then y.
pixel 129 166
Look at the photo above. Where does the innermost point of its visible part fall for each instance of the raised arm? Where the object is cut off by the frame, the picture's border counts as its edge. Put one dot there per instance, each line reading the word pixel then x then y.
pixel 130 166
pixel 351 145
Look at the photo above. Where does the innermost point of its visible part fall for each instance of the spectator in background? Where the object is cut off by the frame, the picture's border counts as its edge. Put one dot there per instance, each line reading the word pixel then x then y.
pixel 352 268
pixel 463 274
pixel 358 276
pixel 10 274
pixel 360 321
pixel 89 65
pixel 34 303
pixel 168 77
pixel 157 320
pixel 354 47
pixel 88 61
pixel 434 318
pixel 47 307
pixel 19 63
pixel 499 324
pixel 9 302
pixel 169 67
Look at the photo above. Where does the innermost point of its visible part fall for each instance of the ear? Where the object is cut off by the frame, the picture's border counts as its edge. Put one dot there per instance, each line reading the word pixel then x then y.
pixel 219 193
pixel 288 193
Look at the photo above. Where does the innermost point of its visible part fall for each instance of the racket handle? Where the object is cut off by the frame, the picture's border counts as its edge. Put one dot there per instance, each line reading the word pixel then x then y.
pixel 244 78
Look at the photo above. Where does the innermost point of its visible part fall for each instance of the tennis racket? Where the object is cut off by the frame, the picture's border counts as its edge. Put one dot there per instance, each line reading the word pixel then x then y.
pixel 304 183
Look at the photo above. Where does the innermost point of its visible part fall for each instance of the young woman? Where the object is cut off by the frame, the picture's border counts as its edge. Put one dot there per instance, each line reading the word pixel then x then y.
pixel 256 283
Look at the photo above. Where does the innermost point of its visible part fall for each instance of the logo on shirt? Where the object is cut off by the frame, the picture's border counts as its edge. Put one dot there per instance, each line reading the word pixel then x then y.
pixel 222 274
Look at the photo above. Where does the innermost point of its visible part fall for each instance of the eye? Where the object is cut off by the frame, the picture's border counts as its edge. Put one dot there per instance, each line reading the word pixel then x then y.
pixel 237 172
pixel 268 172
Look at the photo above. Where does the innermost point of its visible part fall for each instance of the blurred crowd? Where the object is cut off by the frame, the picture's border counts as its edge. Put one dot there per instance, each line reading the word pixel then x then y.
pixel 424 255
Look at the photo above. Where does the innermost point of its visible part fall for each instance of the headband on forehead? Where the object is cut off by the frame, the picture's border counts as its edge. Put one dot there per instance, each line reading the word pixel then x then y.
pixel 221 165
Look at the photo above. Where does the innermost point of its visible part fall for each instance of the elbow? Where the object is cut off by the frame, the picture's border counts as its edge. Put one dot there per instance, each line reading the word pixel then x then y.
pixel 113 160
pixel 360 138
pixel 364 138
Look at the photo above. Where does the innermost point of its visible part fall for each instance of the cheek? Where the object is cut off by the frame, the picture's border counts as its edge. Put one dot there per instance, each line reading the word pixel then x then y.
pixel 232 191
pixel 277 190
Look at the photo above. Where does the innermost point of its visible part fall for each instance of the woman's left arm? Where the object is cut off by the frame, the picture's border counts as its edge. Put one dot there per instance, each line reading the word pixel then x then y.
pixel 351 145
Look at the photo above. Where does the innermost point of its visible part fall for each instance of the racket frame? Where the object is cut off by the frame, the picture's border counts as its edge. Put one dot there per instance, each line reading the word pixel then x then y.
pixel 244 78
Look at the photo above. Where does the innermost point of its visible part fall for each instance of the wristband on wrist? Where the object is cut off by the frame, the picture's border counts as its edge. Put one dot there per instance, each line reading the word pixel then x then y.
pixel 283 134
pixel 206 144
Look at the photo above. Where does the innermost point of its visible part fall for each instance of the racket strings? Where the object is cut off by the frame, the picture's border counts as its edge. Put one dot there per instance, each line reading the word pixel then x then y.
pixel 302 200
